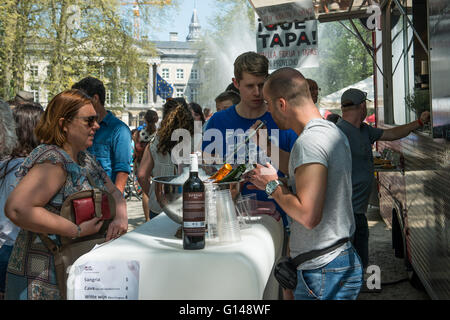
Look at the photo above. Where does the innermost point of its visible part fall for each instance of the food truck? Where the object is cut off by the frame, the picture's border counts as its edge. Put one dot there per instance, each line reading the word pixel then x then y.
pixel 411 57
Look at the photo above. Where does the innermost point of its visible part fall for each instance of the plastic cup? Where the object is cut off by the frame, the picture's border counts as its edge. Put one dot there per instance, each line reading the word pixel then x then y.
pixel 242 212
pixel 211 212
pixel 227 221
pixel 251 198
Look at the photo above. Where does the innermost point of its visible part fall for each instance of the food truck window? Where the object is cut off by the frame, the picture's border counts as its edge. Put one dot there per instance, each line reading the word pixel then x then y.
pixel 410 80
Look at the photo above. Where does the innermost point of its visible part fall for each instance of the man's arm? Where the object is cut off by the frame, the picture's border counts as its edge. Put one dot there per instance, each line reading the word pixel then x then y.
pixel 121 180
pixel 306 205
pixel 121 162
pixel 145 170
pixel 404 130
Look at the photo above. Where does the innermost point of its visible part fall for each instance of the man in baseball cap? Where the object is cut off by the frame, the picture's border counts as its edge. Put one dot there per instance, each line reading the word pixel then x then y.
pixel 361 136
pixel 353 97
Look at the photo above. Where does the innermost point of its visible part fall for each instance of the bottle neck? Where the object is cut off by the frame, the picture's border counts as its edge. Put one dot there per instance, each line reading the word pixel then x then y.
pixel 194 164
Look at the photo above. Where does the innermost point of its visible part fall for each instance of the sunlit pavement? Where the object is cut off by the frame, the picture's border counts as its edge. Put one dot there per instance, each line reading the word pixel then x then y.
pixel 135 214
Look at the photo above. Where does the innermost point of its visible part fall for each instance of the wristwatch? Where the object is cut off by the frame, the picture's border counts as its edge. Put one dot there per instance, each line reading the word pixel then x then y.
pixel 271 186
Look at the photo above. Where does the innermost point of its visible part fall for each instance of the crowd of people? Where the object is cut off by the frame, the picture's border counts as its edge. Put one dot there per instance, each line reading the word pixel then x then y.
pixel 320 185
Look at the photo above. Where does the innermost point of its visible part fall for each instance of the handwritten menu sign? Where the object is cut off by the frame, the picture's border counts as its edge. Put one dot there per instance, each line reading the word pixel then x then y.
pixel 293 44
pixel 107 280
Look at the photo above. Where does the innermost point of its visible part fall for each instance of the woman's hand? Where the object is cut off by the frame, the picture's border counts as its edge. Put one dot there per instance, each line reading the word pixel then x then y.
pixel 90 227
pixel 117 227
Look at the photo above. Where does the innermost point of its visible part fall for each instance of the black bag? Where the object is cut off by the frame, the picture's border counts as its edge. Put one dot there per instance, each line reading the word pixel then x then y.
pixel 286 273
pixel 286 268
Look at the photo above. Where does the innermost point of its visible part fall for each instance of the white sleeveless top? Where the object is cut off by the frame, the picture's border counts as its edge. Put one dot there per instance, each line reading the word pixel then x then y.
pixel 162 166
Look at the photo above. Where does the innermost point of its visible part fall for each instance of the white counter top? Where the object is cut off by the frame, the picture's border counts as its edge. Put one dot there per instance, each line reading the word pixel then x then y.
pixel 237 271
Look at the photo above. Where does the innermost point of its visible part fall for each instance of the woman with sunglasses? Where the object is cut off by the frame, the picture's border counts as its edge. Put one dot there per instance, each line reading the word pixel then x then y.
pixel 53 171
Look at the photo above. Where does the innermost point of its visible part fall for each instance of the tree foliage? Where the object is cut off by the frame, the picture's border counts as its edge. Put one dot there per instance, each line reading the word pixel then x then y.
pixel 78 38
pixel 343 60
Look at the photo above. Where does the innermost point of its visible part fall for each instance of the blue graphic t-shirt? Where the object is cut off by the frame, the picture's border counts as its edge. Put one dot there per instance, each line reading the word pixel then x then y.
pixel 230 120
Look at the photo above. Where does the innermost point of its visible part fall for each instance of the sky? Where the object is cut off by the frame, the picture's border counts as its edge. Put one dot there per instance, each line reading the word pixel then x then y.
pixel 182 19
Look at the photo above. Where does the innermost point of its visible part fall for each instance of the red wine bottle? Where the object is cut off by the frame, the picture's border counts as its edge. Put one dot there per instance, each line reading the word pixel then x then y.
pixel 193 209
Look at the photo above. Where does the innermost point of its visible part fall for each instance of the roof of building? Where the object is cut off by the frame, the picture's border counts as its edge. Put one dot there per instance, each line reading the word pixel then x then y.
pixel 173 45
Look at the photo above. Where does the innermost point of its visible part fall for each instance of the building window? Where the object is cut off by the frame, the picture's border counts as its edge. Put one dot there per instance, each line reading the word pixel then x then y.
pixel 108 97
pixel 180 74
pixel 35 91
pixel 126 98
pixel 180 92
pixel 34 71
pixel 194 74
pixel 194 94
pixel 165 73
pixel 142 97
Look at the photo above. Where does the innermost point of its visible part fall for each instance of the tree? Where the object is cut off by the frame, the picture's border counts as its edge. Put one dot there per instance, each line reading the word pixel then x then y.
pixel 77 38
pixel 343 60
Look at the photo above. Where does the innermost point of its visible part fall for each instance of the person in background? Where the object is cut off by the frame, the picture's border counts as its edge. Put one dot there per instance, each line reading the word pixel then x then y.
pixel 314 90
pixel 156 160
pixel 8 141
pixel 320 201
pixel 26 117
pixel 143 137
pixel 227 99
pixel 112 141
pixel 232 87
pixel 8 138
pixel 207 113
pixel 21 98
pixel 361 136
pixel 53 171
pixel 197 112
pixel 333 117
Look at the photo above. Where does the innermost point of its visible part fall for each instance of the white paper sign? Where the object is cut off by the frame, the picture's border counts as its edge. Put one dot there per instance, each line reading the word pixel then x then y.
pixel 281 11
pixel 107 280
pixel 292 44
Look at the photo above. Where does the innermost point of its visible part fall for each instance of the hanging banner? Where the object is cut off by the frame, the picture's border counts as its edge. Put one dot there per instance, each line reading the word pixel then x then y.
pixel 281 11
pixel 292 44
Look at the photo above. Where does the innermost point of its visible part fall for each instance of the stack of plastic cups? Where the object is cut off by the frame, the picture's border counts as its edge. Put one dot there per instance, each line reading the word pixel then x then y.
pixel 227 222
pixel 211 214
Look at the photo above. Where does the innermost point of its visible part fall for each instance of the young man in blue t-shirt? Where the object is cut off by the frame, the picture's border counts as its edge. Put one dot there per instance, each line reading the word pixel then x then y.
pixel 250 71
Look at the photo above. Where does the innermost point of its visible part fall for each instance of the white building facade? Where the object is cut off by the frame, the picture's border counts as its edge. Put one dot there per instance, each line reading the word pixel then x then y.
pixel 176 61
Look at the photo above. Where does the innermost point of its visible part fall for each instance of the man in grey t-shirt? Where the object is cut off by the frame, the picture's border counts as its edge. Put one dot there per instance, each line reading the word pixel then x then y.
pixel 320 206
pixel 361 136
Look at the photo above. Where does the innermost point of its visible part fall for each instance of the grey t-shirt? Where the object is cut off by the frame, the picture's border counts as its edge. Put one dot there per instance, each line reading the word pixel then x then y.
pixel 361 140
pixel 322 142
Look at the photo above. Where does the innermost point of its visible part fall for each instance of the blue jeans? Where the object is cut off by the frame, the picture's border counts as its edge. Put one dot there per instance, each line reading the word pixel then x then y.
pixel 5 253
pixel 341 279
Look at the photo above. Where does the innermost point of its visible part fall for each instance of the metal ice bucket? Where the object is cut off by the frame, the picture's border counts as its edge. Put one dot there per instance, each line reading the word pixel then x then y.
pixel 170 195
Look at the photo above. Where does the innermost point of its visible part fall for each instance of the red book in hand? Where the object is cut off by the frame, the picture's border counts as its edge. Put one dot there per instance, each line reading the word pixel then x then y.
pixel 85 210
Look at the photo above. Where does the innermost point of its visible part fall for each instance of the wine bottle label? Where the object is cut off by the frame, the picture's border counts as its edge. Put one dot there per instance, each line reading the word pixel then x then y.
pixel 194 213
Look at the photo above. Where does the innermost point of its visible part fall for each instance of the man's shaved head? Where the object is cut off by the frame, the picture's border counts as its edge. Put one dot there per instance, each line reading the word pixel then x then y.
pixel 289 84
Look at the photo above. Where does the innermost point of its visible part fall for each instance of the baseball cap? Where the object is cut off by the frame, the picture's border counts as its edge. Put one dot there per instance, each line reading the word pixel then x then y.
pixel 353 97
pixel 25 95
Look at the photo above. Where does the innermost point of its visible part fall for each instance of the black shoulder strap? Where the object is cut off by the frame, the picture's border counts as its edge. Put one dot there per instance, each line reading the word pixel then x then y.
pixel 303 257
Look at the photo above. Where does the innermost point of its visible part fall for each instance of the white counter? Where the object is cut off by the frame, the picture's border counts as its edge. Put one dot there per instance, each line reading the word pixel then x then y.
pixel 236 271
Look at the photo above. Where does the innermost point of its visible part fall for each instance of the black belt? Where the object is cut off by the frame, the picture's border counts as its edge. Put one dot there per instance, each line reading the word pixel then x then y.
pixel 303 257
